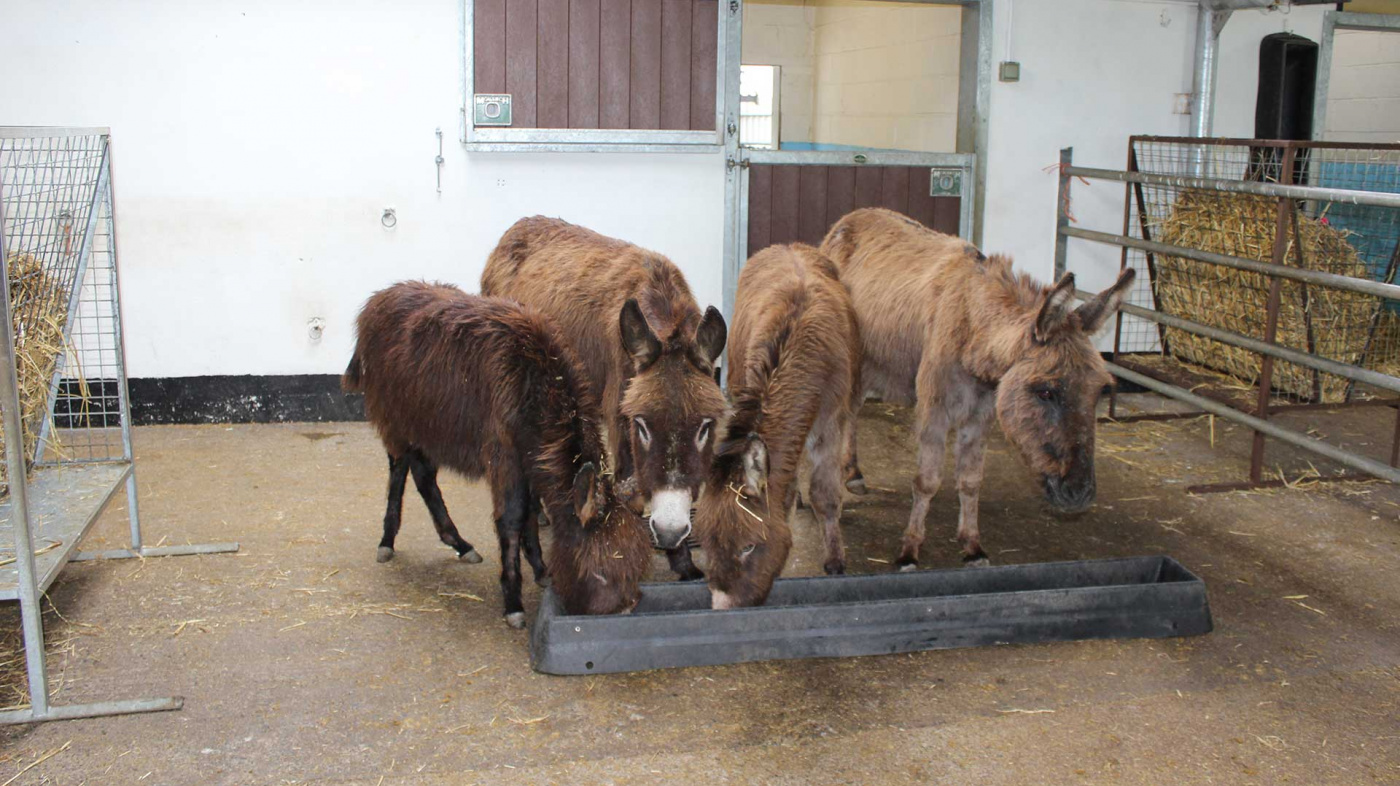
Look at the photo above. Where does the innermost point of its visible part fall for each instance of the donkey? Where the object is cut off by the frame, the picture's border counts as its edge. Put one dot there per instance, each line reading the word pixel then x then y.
pixel 482 386
pixel 966 337
pixel 631 318
pixel 794 359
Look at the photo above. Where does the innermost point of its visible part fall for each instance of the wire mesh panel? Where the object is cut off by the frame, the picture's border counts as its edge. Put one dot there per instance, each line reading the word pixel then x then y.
pixel 1357 241
pixel 60 257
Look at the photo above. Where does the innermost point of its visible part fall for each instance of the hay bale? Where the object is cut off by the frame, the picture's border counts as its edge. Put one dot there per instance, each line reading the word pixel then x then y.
pixel 1331 323
pixel 39 312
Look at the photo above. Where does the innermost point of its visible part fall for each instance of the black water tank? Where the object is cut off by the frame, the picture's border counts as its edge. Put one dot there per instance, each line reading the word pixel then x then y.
pixel 1283 108
pixel 1287 82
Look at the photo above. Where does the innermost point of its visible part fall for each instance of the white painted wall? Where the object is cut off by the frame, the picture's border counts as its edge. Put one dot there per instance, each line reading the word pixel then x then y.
pixel 1094 72
pixel 257 142
pixel 1363 94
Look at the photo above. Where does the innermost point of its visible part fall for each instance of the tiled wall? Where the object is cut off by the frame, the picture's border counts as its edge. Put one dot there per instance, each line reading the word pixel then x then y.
pixel 1363 97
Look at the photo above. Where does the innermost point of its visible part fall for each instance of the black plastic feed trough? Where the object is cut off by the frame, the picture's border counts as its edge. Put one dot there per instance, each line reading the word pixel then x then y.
pixel 843 616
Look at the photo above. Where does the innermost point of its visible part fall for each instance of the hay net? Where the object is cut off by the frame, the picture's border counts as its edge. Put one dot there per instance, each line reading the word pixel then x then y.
pixel 1350 240
pixel 60 264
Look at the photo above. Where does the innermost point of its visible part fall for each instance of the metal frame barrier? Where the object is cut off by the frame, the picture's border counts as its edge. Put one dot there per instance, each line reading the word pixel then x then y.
pixel 58 244
pixel 1288 161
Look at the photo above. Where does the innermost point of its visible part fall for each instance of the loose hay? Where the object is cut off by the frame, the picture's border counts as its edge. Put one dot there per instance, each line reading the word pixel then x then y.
pixel 1331 323
pixel 39 312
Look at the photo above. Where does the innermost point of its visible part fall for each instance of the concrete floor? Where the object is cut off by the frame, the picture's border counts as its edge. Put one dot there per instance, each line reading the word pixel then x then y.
pixel 304 661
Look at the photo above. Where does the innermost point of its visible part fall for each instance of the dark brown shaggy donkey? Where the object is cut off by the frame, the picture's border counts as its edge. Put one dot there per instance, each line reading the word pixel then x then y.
pixel 642 341
pixel 481 386
pixel 793 358
pixel 966 337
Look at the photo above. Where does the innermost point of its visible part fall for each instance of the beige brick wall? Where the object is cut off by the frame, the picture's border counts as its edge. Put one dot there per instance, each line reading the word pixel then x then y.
pixel 886 74
pixel 1363 96
pixel 780 33
pixel 854 72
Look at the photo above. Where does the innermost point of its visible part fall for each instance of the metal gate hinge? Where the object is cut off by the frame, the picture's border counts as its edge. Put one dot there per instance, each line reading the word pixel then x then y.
pixel 733 6
pixel 730 163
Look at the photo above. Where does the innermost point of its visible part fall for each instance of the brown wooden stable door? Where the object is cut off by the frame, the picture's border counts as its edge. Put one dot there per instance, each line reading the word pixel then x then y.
pixel 791 203
pixel 635 64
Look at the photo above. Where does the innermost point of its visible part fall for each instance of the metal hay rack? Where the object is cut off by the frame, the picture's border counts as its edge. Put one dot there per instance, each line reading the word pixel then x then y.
pixel 1266 284
pixel 63 391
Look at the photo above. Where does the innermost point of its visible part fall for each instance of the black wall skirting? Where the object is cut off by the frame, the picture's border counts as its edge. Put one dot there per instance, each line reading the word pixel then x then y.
pixel 242 399
pixel 299 398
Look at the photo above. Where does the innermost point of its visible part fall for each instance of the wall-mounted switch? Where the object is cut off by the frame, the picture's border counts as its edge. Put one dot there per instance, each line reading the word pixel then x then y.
pixel 1010 71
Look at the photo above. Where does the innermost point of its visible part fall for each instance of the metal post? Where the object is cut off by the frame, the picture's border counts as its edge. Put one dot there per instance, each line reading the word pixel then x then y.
pixel 15 463
pixel 1208 26
pixel 1266 362
pixel 731 25
pixel 1062 213
pixel 133 512
pixel 1122 264
pixel 1395 441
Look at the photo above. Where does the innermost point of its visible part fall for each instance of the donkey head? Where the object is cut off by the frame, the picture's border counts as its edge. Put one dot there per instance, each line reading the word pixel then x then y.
pixel 746 539
pixel 1046 400
pixel 672 406
pixel 599 579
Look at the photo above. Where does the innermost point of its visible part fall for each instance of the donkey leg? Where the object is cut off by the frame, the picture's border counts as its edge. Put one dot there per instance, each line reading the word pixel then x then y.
pixel 425 478
pixel 684 567
pixel 825 493
pixel 513 507
pixel 531 541
pixel 850 465
pixel 969 454
pixel 393 513
pixel 933 439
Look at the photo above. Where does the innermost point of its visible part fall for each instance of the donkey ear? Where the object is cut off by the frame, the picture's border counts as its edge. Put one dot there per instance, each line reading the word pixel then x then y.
pixel 1055 310
pixel 711 335
pixel 1095 312
pixel 637 337
pixel 755 468
pixel 628 494
pixel 585 493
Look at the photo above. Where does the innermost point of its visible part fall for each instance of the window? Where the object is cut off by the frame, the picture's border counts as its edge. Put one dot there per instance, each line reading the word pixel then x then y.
pixel 759 99
pixel 592 74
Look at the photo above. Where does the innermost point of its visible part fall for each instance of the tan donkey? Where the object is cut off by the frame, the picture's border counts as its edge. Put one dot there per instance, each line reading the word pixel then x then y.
pixel 643 343
pixel 793 358
pixel 964 337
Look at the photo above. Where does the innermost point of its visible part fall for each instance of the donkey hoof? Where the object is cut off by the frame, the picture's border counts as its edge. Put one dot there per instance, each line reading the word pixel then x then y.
pixel 857 486
pixel 516 619
pixel 835 567
pixel 694 574
pixel 385 554
pixel 544 581
pixel 976 561
pixel 470 556
pixel 909 567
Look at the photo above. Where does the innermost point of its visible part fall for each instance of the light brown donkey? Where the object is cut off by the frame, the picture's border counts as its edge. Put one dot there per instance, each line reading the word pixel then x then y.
pixel 965 337
pixel 640 336
pixel 793 359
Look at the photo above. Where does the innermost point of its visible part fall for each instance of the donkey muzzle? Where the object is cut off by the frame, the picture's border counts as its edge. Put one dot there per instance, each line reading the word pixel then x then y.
pixel 1070 496
pixel 670 517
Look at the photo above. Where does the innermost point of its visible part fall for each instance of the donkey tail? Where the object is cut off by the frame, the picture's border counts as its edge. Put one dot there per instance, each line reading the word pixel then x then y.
pixel 352 381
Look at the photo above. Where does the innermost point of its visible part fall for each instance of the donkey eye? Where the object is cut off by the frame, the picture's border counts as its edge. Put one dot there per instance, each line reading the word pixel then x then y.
pixel 747 550
pixel 643 433
pixel 1046 393
pixel 702 437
